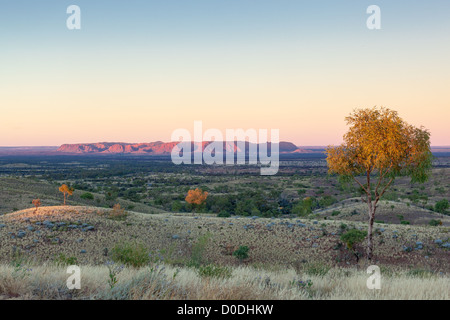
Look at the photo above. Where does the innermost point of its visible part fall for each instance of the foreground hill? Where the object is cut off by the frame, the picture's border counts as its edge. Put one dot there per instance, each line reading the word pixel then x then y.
pixel 289 259
pixel 88 234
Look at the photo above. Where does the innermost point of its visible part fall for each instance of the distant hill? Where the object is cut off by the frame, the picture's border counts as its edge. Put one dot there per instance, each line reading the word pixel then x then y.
pixel 33 150
pixel 161 148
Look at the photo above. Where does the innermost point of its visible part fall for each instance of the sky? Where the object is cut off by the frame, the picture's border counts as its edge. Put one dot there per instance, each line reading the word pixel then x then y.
pixel 138 70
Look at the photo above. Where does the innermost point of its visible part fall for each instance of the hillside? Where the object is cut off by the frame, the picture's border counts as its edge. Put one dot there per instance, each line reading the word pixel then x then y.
pixel 17 194
pixel 392 212
pixel 89 233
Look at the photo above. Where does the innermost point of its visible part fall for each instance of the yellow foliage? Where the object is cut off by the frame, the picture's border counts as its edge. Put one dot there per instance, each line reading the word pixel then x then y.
pixel 197 196
pixel 66 190
pixel 380 142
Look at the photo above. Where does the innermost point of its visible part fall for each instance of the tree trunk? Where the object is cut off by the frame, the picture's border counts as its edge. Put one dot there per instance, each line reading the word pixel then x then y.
pixel 64 198
pixel 370 231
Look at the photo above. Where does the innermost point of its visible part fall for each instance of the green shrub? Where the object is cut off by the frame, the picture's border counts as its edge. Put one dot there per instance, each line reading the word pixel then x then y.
pixel 177 206
pixel 441 206
pixel 198 250
pixel 327 201
pixel 435 223
pixel 241 253
pixel 87 196
pixel 213 271
pixel 224 214
pixel 130 254
pixel 335 213
pixel 404 222
pixel 63 260
pixel 352 237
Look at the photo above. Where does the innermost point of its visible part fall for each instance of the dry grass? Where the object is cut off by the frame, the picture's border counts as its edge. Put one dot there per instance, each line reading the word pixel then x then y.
pixel 165 282
pixel 284 255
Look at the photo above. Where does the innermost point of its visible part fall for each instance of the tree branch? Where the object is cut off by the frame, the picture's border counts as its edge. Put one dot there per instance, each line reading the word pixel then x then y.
pixel 382 175
pixel 384 189
pixel 361 185
pixel 379 181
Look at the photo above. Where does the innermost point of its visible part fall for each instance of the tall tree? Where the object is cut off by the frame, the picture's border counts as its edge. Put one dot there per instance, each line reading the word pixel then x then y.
pixel 379 146
pixel 66 190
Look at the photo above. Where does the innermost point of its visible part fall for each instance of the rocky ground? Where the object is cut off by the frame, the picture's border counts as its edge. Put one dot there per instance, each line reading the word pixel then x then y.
pixel 87 234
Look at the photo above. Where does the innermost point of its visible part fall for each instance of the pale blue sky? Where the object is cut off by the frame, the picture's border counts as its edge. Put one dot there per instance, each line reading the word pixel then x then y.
pixel 259 59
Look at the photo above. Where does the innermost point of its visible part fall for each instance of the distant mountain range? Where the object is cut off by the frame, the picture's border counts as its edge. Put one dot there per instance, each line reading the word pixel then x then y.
pixel 162 148
pixel 158 148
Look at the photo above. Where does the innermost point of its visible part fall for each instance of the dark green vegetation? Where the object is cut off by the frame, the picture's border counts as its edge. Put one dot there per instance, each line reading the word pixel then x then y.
pixel 301 217
pixel 153 185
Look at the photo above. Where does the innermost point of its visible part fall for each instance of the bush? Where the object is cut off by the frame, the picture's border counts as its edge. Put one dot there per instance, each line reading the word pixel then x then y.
pixel 63 260
pixel 87 196
pixel 335 213
pixel 435 223
pixel 327 201
pixel 224 214
pixel 342 226
pixel 131 254
pixel 198 250
pixel 118 213
pixel 177 206
pixel 352 237
pixel 241 253
pixel 213 271
pixel 441 206
pixel 404 222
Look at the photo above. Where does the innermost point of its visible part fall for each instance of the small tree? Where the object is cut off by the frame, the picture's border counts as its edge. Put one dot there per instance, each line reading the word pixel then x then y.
pixel 351 238
pixel 118 213
pixel 441 206
pixel 380 145
pixel 196 198
pixel 66 190
pixel 241 253
pixel 36 203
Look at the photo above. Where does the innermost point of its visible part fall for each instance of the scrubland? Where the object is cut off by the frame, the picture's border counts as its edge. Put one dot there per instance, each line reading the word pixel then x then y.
pixel 184 256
